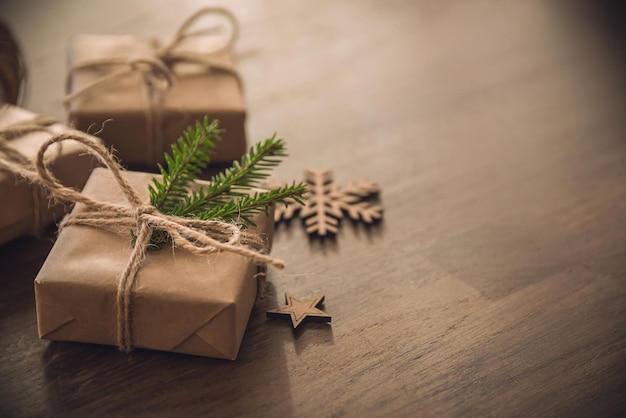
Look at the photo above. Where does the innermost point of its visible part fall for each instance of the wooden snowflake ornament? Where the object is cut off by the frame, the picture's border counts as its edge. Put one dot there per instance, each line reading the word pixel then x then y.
pixel 300 309
pixel 326 203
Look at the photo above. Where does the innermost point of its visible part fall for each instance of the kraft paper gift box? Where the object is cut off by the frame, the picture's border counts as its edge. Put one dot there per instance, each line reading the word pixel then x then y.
pixel 181 302
pixel 146 113
pixel 24 208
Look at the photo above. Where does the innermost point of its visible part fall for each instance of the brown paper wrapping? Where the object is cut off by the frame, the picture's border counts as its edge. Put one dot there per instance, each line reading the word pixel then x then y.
pixel 17 216
pixel 196 92
pixel 181 302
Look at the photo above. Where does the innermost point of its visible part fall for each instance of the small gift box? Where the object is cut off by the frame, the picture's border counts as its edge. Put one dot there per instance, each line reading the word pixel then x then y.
pixel 147 92
pixel 180 301
pixel 25 208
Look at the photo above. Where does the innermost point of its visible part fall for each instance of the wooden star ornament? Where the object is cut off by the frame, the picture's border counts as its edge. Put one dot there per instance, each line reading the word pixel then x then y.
pixel 300 309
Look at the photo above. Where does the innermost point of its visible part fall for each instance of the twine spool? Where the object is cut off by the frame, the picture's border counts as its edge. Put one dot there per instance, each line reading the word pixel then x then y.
pixel 12 67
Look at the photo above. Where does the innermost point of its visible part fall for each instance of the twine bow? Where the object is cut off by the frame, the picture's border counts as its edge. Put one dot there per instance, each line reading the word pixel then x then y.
pixel 17 130
pixel 157 68
pixel 193 235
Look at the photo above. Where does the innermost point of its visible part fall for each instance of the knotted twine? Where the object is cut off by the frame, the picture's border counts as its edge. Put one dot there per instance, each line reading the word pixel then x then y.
pixel 196 236
pixel 157 70
pixel 18 130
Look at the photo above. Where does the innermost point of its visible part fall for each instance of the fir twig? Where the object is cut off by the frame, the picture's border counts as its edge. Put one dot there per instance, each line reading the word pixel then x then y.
pixel 190 155
pixel 223 187
pixel 226 197
pixel 248 205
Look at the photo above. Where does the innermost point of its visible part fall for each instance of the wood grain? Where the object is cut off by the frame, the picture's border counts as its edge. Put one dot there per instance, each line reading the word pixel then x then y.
pixel 496 284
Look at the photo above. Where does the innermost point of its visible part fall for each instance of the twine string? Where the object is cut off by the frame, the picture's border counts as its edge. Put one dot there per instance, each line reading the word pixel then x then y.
pixel 183 31
pixel 152 68
pixel 18 130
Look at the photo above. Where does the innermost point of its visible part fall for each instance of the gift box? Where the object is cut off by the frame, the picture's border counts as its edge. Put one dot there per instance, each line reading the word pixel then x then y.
pixel 25 209
pixel 181 302
pixel 148 92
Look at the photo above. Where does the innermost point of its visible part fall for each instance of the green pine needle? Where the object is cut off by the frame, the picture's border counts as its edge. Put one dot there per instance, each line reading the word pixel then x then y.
pixel 226 197
pixel 190 155
pixel 253 168
pixel 246 205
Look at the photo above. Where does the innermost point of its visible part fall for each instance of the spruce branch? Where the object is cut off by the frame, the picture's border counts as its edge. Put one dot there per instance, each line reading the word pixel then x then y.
pixel 247 205
pixel 227 196
pixel 254 167
pixel 190 155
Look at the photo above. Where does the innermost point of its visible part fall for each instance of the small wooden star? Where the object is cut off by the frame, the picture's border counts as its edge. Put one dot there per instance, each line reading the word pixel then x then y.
pixel 300 309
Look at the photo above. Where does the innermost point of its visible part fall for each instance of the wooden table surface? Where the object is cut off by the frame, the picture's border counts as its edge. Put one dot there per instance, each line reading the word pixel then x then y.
pixel 496 284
